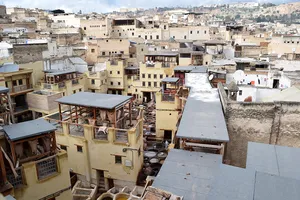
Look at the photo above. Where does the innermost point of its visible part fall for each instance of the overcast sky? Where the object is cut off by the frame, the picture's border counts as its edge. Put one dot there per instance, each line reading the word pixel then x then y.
pixel 111 5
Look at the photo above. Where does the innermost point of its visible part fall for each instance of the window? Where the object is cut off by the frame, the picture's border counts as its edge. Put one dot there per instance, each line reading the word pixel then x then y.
pixel 110 72
pixel 185 37
pixel 132 34
pixel 120 40
pixel 118 72
pixel 144 84
pixel 118 159
pixel 6 84
pixel 111 83
pixel 155 76
pixel 139 152
pixel 121 52
pixel 84 28
pixel 106 40
pixel 20 82
pixel 240 92
pixel 63 147
pixel 149 75
pixel 128 86
pixel 80 90
pixel 79 149
pixel 119 83
pixel 74 91
pixel 120 34
pixel 145 37
pixel 149 84
pixel 165 27
pixel 142 49
pixel 155 84
pixel 14 83
pixel 93 81
pixel 204 32
pixel 157 37
pixel 93 91
pixel 197 32
pixel 93 50
pixel 103 53
pixel 143 75
pixel 161 76
pixel 174 37
pixel 150 37
pixel 191 32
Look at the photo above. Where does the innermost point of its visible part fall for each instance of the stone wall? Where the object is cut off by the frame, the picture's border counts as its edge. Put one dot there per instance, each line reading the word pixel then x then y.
pixel 27 53
pixel 271 123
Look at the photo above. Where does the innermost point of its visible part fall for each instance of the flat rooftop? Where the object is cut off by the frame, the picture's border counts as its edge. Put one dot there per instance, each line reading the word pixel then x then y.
pixel 171 54
pixel 59 72
pixel 232 183
pixel 3 89
pixel 188 174
pixel 95 100
pixel 273 159
pixel 28 129
pixel 203 117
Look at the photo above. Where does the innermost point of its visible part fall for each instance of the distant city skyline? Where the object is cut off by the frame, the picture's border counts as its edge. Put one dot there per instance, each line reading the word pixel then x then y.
pixel 112 5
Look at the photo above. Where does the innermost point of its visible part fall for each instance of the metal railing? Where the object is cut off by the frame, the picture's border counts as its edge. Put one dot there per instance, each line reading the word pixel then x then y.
pixel 75 82
pixel 46 167
pixel 18 181
pixel 76 130
pixel 168 97
pixel 20 88
pixel 121 136
pixel 100 133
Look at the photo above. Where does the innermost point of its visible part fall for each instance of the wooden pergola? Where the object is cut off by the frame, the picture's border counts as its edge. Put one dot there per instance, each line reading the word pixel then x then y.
pixel 89 112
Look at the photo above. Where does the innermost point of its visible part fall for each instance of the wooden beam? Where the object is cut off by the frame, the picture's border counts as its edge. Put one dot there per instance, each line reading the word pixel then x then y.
pixel 76 114
pixel 13 152
pixel 59 107
pixel 130 112
pixel 94 113
pixel 3 171
pixel 53 141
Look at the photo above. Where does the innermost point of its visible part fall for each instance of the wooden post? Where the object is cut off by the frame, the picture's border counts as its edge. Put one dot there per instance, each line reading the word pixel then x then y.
pixel 76 114
pixel 130 112
pixel 13 152
pixel 59 107
pixel 71 113
pixel 115 118
pixel 10 109
pixel 2 167
pixel 53 141
pixel 94 113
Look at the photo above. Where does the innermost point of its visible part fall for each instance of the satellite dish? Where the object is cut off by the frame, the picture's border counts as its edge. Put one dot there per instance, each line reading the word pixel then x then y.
pixel 239 76
pixel 211 77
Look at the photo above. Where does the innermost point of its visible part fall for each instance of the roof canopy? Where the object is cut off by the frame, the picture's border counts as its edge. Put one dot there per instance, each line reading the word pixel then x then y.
pixel 95 100
pixel 28 129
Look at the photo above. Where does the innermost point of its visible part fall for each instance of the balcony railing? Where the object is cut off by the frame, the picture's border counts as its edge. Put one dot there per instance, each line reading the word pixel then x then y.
pixel 47 86
pixel 168 97
pixel 20 88
pixel 75 82
pixel 18 181
pixel 46 167
pixel 150 64
pixel 76 130
pixel 121 136
pixel 61 85
pixel 100 133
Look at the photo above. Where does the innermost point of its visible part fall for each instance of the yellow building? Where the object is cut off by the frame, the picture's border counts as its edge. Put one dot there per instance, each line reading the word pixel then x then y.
pixel 97 81
pixel 103 137
pixel 156 67
pixel 65 81
pixel 168 109
pixel 19 82
pixel 42 171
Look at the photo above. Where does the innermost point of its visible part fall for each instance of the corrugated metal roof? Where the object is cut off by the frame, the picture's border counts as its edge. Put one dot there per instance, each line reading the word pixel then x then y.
pixel 77 60
pixel 9 67
pixel 273 159
pixel 188 174
pixel 162 54
pixel 59 72
pixel 232 183
pixel 203 116
pixel 268 186
pixel 170 80
pixel 3 89
pixel 28 129
pixel 96 100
